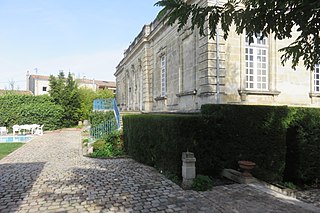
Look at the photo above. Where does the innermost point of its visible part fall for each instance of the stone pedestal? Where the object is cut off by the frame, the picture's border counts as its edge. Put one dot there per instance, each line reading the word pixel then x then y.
pixel 86 123
pixel 90 148
pixel 188 169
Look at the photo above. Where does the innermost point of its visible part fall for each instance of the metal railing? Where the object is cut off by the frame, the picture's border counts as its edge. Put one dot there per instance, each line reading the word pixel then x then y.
pixel 108 126
pixel 102 129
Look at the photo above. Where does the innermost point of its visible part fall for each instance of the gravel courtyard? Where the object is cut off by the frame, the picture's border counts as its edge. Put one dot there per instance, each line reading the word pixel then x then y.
pixel 49 174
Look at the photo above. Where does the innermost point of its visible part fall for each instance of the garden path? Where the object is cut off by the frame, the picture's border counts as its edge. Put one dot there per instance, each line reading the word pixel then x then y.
pixel 49 174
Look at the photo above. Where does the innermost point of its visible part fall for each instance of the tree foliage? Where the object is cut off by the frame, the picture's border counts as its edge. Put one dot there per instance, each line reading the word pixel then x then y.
pixel 283 18
pixel 64 92
pixel 86 99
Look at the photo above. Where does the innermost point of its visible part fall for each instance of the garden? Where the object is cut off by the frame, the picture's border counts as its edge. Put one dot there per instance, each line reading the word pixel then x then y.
pixel 64 107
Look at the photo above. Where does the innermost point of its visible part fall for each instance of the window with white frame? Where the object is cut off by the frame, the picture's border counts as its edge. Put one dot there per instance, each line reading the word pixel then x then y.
pixel 316 78
pixel 163 65
pixel 256 55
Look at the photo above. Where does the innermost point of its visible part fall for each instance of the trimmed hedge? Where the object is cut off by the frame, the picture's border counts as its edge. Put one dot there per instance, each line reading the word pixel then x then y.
pixel 255 133
pixel 224 134
pixel 159 140
pixel 28 109
pixel 303 147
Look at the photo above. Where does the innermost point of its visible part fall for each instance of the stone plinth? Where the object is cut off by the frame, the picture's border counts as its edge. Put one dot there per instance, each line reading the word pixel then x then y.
pixel 237 176
pixel 188 169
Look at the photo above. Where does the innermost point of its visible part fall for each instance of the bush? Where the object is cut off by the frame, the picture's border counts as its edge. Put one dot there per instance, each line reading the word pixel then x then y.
pixel 98 145
pixel 111 145
pixel 96 118
pixel 28 109
pixel 85 142
pixel 202 183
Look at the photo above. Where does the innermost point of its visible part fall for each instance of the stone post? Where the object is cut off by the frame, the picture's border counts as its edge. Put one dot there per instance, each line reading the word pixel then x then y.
pixel 188 169
pixel 85 123
pixel 90 149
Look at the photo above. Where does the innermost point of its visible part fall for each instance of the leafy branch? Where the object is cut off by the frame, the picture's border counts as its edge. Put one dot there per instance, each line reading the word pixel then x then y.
pixel 283 19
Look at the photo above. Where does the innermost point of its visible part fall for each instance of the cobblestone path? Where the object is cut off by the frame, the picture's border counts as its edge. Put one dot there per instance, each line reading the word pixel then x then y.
pixel 49 174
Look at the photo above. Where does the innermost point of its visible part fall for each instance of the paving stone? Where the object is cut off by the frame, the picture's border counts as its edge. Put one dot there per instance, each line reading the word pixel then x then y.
pixel 50 174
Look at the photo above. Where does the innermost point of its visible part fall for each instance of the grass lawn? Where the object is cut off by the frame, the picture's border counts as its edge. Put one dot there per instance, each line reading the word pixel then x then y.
pixel 7 148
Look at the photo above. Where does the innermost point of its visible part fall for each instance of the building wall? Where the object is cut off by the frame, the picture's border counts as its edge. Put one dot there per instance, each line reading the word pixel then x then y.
pixel 200 70
pixel 39 85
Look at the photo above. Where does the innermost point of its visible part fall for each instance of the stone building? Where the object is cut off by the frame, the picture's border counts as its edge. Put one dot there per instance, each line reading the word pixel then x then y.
pixel 171 71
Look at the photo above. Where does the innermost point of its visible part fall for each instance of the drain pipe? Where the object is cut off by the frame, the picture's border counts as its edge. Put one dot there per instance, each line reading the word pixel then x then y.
pixel 217 63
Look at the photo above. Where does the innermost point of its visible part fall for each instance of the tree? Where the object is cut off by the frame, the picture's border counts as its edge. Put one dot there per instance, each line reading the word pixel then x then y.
pixel 66 94
pixel 71 102
pixel 57 85
pixel 87 96
pixel 283 18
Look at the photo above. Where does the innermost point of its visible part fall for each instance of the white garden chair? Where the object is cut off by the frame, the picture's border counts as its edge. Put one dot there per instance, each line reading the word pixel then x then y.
pixel 38 130
pixel 3 130
pixel 16 129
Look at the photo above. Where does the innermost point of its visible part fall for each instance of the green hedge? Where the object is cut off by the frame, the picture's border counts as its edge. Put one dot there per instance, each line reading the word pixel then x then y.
pixel 159 140
pixel 28 109
pixel 255 133
pixel 283 141
pixel 303 147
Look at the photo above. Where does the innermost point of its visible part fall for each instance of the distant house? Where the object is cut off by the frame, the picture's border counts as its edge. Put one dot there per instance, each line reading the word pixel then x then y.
pixel 39 84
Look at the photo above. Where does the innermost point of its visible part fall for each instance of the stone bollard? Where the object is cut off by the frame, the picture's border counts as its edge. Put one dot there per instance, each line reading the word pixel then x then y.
pixel 188 169
pixel 90 149
pixel 86 123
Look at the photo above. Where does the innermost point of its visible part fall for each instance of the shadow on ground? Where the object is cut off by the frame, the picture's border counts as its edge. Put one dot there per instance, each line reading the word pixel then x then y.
pixel 16 181
pixel 122 185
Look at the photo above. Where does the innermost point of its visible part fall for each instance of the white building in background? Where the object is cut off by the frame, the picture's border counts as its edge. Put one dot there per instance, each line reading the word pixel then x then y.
pixel 166 70
pixel 39 84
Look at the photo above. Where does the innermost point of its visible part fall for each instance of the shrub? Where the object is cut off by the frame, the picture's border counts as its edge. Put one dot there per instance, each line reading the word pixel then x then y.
pixel 28 109
pixel 98 145
pixel 97 118
pixel 110 145
pixel 85 141
pixel 202 183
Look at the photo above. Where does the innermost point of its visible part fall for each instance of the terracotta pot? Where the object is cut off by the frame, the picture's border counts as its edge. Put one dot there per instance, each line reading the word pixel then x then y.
pixel 246 166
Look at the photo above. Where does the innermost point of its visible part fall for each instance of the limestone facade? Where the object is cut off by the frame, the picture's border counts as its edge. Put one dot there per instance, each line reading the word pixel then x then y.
pixel 170 71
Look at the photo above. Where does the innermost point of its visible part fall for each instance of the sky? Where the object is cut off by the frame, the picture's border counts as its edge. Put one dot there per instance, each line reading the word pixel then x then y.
pixel 84 37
